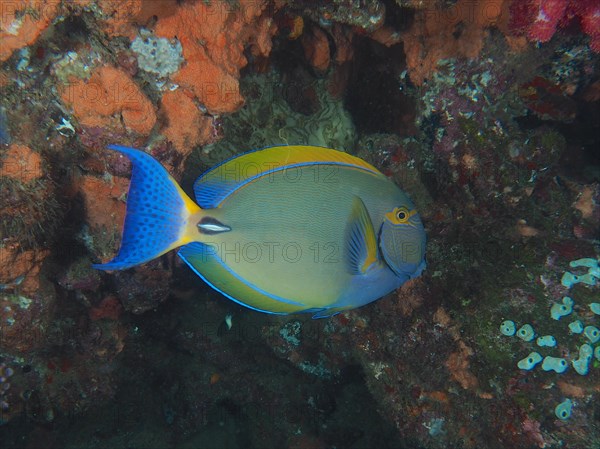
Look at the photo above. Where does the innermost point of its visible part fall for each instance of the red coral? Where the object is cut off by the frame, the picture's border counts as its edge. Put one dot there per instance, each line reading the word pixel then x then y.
pixel 540 19
pixel 590 23
pixel 547 14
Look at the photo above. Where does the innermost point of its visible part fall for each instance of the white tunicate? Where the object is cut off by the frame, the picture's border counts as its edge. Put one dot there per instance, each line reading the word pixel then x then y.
pixel 157 54
pixel 595 308
pixel 530 361
pixel 554 364
pixel 563 410
pixel 576 327
pixel 546 340
pixel 526 332
pixel 508 328
pixel 592 333
pixel 559 310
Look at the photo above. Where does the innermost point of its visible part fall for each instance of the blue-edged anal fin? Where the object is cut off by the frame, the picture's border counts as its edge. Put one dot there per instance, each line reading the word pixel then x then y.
pixel 206 263
pixel 361 242
pixel 159 213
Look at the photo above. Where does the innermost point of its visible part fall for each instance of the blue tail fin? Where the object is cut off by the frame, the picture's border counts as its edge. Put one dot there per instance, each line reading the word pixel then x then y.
pixel 157 213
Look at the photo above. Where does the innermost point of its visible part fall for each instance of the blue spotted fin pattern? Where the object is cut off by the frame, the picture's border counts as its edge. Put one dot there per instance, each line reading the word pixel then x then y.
pixel 156 212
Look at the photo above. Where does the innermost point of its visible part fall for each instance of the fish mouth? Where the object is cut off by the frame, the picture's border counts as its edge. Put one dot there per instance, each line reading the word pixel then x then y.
pixel 211 226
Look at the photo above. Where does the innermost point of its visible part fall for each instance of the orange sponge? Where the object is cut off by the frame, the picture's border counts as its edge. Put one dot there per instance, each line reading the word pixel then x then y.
pixel 108 98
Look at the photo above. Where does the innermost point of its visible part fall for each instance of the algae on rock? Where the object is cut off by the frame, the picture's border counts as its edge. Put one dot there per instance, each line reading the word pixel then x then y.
pixel 268 120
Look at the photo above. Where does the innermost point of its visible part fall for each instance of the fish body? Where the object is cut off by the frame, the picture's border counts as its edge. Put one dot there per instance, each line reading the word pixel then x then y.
pixel 280 230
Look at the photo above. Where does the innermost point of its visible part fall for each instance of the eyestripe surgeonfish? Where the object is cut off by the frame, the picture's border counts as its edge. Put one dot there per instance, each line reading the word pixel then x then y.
pixel 279 230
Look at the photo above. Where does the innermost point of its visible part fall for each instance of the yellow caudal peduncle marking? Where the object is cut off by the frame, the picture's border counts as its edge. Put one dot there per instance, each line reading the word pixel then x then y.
pixel 190 216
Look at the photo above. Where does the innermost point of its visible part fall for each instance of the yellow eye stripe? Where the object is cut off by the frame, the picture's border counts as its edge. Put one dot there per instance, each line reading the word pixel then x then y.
pixel 393 215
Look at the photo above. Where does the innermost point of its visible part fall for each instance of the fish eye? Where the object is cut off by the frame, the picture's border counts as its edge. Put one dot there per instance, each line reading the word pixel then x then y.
pixel 402 215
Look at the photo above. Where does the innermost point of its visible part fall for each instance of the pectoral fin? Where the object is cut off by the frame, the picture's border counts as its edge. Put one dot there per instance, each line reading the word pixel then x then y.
pixel 361 243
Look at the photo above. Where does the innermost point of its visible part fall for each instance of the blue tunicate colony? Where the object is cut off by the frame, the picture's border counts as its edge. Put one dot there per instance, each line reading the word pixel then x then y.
pixel 586 352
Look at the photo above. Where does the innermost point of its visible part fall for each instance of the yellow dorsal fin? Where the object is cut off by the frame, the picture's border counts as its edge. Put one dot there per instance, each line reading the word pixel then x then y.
pixel 215 185
pixel 284 156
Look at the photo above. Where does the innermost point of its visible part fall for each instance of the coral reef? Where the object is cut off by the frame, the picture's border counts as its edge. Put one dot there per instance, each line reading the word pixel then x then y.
pixel 110 99
pixel 214 36
pixel 6 373
pixel 368 17
pixel 539 21
pixel 186 126
pixel 4 135
pixel 28 218
pixel 21 164
pixel 316 49
pixel 157 55
pixel 485 111
pixel 105 211
pixel 286 114
pixel 22 22
pixel 459 31
pixel 581 357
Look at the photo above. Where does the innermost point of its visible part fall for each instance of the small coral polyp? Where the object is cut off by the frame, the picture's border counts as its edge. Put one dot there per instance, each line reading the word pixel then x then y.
pixel 581 359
